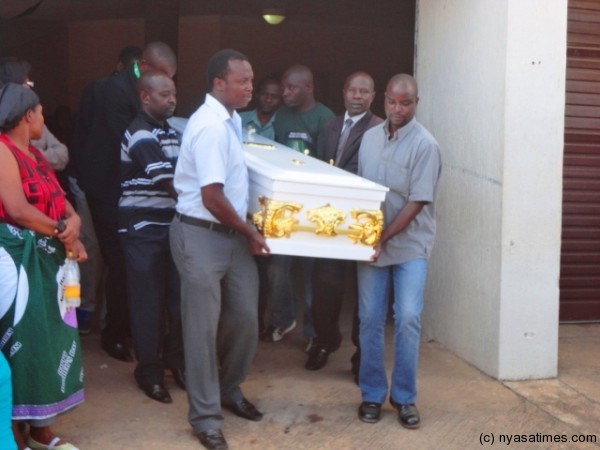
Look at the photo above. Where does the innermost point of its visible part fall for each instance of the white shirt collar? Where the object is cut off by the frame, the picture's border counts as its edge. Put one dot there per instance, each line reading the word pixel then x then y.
pixel 219 108
pixel 354 119
pixel 223 114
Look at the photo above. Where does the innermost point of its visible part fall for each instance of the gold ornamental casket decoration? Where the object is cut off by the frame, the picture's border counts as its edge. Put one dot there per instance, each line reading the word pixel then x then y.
pixel 277 219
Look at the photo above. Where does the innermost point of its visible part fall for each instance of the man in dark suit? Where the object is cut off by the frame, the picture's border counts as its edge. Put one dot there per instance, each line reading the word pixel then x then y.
pixel 96 159
pixel 338 144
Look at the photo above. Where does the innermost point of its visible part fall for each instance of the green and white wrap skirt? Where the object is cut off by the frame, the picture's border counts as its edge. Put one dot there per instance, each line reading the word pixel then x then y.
pixel 38 333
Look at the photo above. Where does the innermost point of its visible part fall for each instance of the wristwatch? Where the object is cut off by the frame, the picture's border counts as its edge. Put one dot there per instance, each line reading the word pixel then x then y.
pixel 61 225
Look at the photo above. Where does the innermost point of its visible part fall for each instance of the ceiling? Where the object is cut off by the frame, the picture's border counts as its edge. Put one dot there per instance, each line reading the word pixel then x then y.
pixel 383 13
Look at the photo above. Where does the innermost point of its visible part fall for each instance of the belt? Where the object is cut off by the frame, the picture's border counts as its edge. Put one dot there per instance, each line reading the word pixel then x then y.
pixel 209 224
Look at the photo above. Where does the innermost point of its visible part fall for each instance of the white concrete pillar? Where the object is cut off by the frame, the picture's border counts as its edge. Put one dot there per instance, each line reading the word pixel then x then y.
pixel 491 80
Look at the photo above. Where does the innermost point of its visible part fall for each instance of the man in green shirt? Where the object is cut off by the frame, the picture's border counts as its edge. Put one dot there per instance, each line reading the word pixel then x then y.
pixel 301 118
pixel 262 118
pixel 298 123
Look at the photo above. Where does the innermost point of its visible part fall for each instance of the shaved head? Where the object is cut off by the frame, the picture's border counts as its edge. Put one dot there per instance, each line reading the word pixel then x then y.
pixel 401 101
pixel 403 80
pixel 298 88
pixel 151 79
pixel 157 94
pixel 159 56
pixel 300 73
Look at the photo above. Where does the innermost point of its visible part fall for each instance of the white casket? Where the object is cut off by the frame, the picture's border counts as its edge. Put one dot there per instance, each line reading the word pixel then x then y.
pixel 306 207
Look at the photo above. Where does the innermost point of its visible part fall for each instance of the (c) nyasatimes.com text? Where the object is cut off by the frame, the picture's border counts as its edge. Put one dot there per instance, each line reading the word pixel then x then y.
pixel 507 439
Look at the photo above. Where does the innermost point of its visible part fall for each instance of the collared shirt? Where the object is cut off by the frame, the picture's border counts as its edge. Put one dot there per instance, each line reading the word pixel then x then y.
pixel 410 165
pixel 251 118
pixel 211 152
pixel 354 119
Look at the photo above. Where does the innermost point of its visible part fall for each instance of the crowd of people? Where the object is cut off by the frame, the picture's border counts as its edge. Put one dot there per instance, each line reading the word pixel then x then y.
pixel 185 277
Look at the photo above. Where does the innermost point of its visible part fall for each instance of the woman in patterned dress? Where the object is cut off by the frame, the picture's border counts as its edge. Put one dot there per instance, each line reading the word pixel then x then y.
pixel 38 227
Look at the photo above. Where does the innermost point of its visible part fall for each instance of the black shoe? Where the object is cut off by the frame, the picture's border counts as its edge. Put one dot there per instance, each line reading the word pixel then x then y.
pixel 408 415
pixel 245 409
pixel 213 440
pixel 157 392
pixel 179 377
pixel 369 412
pixel 117 350
pixel 317 358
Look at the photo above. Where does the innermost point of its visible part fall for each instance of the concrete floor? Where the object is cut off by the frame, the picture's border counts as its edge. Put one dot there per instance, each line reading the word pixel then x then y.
pixel 317 410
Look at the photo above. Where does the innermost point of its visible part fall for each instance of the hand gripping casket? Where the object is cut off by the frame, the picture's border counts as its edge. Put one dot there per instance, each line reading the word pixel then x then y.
pixel 306 207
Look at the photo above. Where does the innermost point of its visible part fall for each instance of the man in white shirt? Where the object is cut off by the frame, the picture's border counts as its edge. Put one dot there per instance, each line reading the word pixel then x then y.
pixel 212 246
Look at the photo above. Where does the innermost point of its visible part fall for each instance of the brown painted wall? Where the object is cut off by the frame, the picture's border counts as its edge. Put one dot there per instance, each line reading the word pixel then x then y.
pixel 66 57
pixel 44 45
pixel 332 52
pixel 93 49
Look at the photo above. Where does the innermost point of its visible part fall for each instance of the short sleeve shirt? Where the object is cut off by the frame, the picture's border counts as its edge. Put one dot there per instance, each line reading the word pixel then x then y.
pixel 250 118
pixel 300 130
pixel 409 164
pixel 211 152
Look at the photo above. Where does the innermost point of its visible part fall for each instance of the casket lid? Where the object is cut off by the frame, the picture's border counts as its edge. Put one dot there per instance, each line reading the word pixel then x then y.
pixel 281 163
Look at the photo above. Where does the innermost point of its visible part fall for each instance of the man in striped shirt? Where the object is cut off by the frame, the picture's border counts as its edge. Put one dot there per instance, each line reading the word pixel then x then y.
pixel 149 153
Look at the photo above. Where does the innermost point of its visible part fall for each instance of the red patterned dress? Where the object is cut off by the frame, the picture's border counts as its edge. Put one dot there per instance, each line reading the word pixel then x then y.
pixel 39 183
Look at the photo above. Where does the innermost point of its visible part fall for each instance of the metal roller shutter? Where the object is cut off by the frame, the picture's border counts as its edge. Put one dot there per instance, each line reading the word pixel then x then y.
pixel 580 260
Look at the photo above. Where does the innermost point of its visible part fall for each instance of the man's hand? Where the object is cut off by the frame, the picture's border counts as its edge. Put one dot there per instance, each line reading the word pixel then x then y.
pixel 378 249
pixel 258 244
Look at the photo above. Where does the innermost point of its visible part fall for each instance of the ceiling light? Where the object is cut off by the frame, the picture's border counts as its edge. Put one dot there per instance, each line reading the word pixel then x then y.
pixel 273 16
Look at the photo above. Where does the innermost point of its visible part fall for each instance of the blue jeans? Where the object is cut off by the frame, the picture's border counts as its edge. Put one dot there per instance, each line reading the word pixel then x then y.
pixel 374 284
pixel 281 292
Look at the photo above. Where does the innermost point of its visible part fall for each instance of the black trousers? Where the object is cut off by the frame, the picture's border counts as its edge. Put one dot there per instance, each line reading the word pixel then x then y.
pixel 329 286
pixel 155 302
pixel 263 290
pixel 104 216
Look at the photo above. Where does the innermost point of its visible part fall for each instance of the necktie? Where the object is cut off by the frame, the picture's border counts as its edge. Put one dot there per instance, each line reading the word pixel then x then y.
pixel 343 139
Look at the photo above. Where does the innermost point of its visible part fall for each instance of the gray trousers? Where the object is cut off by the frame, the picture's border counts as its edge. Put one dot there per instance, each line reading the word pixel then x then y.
pixel 219 302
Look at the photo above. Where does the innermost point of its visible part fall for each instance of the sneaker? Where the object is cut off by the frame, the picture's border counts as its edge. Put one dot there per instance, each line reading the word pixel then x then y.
pixel 274 334
pixel 310 343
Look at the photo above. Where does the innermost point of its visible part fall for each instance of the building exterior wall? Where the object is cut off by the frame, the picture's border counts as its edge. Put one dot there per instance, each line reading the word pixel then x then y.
pixel 93 49
pixel 492 81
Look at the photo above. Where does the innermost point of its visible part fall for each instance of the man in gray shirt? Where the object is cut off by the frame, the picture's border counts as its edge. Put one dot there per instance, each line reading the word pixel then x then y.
pixel 402 155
